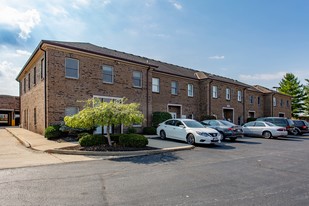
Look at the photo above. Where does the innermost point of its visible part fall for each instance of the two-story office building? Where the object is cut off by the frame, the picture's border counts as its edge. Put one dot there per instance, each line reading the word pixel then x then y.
pixel 59 74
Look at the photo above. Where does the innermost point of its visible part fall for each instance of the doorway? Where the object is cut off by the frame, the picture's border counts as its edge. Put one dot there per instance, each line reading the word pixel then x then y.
pixel 228 114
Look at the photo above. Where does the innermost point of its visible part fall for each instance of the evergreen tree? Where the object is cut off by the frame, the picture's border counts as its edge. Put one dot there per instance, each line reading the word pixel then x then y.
pixel 290 85
pixel 306 88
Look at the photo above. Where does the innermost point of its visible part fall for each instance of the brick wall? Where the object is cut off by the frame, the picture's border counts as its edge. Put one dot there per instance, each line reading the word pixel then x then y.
pixel 9 102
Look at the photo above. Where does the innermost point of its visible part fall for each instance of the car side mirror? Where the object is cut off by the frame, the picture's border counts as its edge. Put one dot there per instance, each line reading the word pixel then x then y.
pixel 182 126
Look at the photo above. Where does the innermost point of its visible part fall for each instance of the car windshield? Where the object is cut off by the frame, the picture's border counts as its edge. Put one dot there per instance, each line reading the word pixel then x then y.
pixel 193 124
pixel 270 124
pixel 227 123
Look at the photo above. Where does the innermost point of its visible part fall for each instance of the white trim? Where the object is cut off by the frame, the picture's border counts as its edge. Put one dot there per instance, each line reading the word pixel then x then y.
pixel 228 108
pixel 175 105
pixel 106 97
pixel 65 68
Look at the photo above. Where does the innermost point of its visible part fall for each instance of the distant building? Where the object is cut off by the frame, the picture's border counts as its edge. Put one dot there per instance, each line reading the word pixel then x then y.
pixel 58 74
pixel 9 110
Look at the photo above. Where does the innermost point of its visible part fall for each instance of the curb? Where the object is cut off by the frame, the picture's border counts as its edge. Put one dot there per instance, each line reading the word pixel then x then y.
pixel 25 143
pixel 128 153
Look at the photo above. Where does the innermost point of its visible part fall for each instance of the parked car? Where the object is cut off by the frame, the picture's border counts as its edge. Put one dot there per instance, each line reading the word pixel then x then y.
pixel 302 126
pixel 264 129
pixel 188 130
pixel 227 129
pixel 282 122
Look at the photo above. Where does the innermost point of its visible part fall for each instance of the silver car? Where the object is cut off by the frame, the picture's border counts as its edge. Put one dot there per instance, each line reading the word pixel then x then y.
pixel 188 130
pixel 264 129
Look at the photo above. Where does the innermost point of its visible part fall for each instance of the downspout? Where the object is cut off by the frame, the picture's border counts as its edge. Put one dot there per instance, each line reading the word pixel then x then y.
pixel 45 97
pixel 272 104
pixel 147 98
pixel 244 104
pixel 209 97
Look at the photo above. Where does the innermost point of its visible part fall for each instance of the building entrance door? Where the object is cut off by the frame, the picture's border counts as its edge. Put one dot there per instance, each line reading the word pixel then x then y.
pixel 228 114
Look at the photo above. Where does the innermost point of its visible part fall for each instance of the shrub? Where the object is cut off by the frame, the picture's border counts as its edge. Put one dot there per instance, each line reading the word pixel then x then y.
pixel 208 117
pixel 131 130
pixel 53 132
pixel 91 140
pixel 250 119
pixel 158 117
pixel 114 138
pixel 149 130
pixel 80 135
pixel 133 140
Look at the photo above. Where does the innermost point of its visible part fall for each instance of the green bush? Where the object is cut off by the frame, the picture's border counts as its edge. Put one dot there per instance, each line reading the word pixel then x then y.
pixel 53 132
pixel 208 117
pixel 91 140
pixel 131 130
pixel 158 117
pixel 80 135
pixel 250 119
pixel 149 130
pixel 114 138
pixel 133 140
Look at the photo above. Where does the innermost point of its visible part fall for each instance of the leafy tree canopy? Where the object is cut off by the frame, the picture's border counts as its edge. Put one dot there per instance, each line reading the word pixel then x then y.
pixel 290 85
pixel 97 113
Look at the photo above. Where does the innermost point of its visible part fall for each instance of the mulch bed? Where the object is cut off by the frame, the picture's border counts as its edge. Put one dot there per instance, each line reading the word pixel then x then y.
pixel 103 147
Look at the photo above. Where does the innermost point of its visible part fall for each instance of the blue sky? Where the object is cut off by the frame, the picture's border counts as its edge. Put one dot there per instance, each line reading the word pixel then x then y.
pixel 253 41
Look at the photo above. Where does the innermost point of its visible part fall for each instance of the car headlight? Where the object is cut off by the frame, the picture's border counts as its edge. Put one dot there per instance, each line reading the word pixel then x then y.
pixel 205 134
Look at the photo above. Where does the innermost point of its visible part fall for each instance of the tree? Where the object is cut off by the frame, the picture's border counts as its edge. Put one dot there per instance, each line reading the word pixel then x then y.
pixel 290 85
pixel 97 113
pixel 306 102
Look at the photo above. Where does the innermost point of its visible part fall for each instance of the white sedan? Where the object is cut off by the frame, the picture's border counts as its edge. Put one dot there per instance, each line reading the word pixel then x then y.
pixel 264 129
pixel 188 130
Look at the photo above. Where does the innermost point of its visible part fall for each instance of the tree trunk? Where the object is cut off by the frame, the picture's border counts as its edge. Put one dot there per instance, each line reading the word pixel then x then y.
pixel 108 136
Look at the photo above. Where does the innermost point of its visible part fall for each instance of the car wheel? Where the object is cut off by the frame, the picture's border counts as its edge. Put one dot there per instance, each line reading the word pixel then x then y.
pixel 162 134
pixel 294 131
pixel 298 132
pixel 267 135
pixel 233 138
pixel 190 139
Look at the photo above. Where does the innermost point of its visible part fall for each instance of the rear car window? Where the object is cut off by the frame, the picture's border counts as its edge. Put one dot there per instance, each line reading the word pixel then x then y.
pixel 298 123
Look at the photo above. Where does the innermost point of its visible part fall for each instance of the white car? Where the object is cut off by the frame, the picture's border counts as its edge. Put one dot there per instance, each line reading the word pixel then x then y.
pixel 188 130
pixel 264 129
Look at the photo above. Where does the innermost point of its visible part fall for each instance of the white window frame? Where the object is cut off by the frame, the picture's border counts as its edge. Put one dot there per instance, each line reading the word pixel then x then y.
pixel 190 90
pixel 155 85
pixel 251 99
pixel 140 79
pixel 174 88
pixel 66 75
pixel 228 94
pixel 214 91
pixel 274 101
pixel 112 75
pixel 239 95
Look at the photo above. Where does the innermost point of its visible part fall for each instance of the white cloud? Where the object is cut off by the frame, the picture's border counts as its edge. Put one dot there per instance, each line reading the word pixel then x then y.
pixel 25 21
pixel 22 53
pixel 216 57
pixel 176 4
pixel 262 77
pixel 8 73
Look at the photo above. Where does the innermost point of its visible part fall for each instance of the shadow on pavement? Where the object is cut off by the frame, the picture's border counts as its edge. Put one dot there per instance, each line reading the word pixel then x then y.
pixel 150 159
pixel 291 139
pixel 221 146
pixel 240 141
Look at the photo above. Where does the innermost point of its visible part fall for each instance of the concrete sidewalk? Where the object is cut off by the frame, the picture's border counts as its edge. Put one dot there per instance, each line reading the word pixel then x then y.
pixel 40 143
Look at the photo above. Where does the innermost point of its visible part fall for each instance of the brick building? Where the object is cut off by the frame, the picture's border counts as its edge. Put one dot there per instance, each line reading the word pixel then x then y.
pixel 9 110
pixel 58 74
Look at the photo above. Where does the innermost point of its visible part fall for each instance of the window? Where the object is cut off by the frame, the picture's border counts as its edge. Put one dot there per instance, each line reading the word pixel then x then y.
pixel 25 81
pixel 190 90
pixel 71 68
pixel 259 100
pixel 34 76
pixel 29 81
pixel 156 85
pixel 287 103
pixel 227 93
pixel 239 95
pixel 42 68
pixel 108 74
pixel 137 79
pixel 251 99
pixel 281 102
pixel 274 102
pixel 70 111
pixel 34 116
pixel 174 87
pixel 214 92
